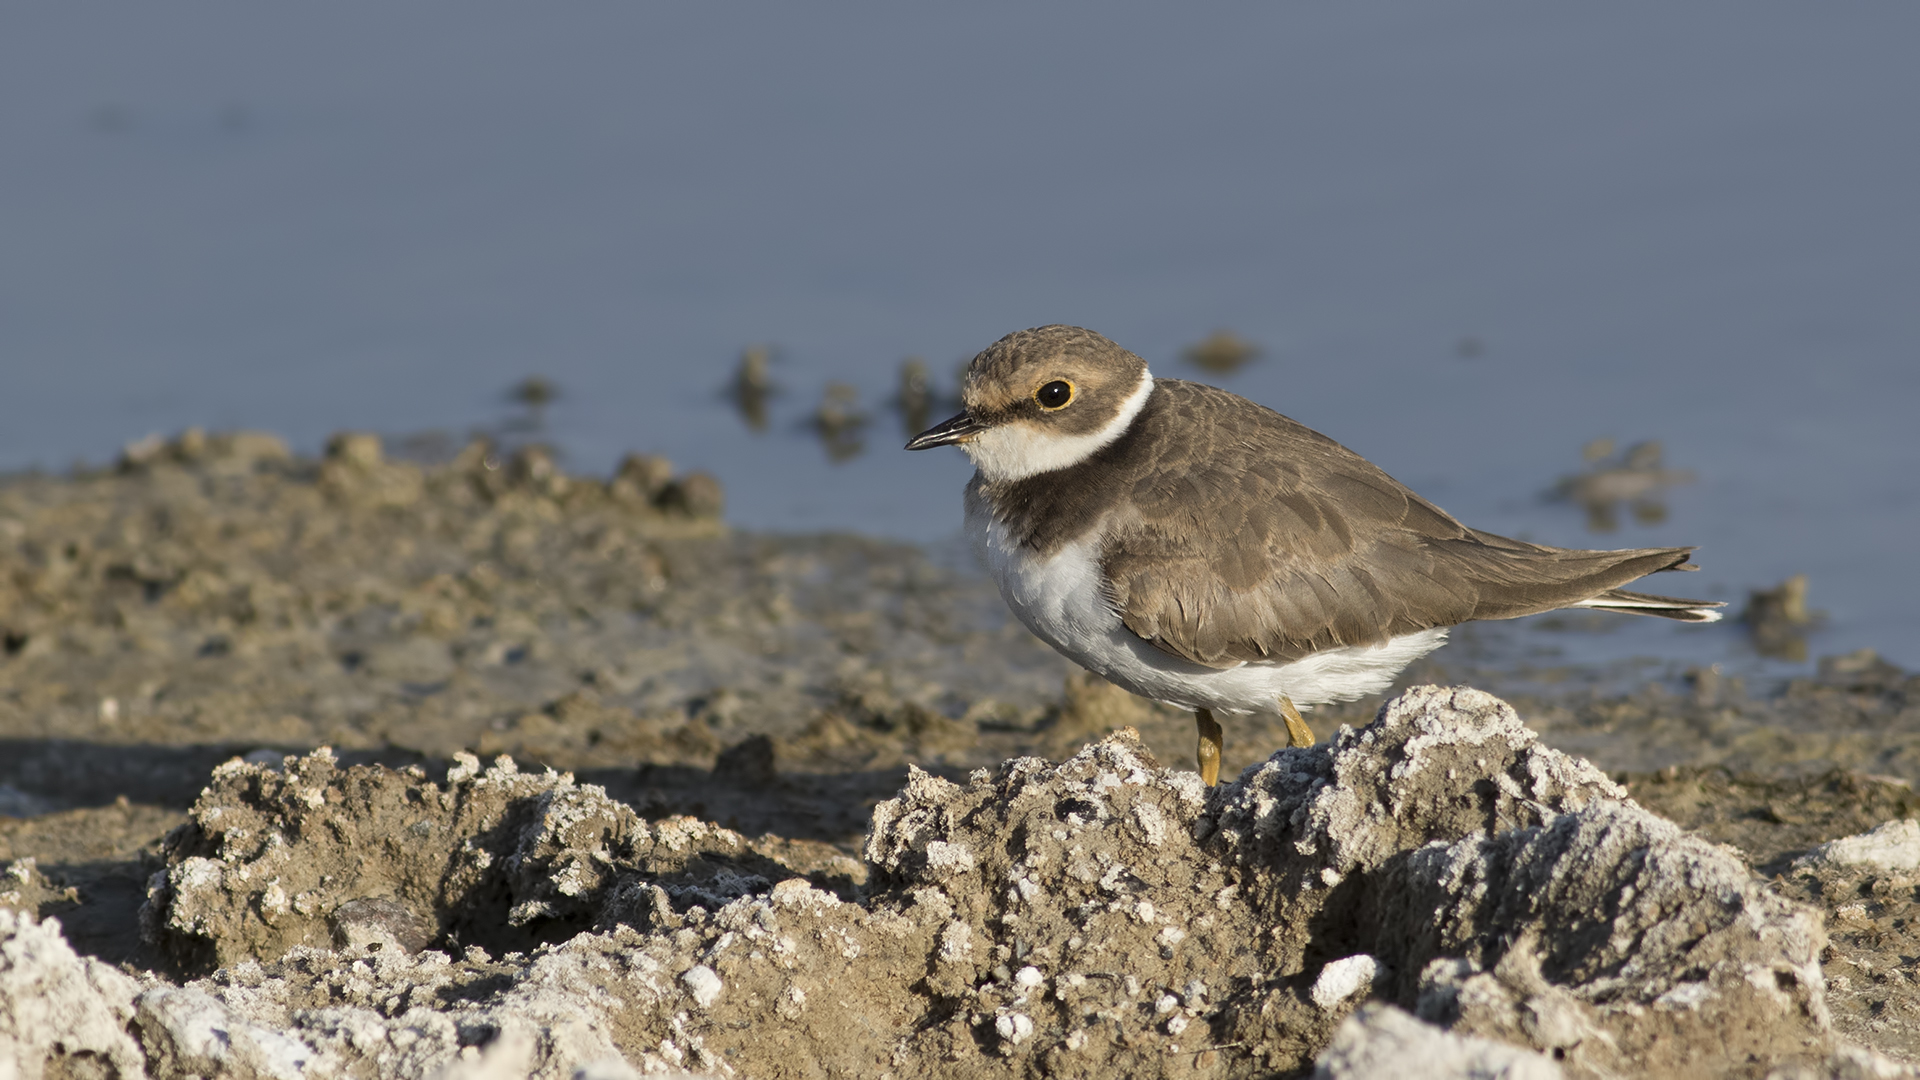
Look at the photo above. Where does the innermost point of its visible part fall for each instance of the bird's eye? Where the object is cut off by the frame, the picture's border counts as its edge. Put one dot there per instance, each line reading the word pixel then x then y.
pixel 1054 395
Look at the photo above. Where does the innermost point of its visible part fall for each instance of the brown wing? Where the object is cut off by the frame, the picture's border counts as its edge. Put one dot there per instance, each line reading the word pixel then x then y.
pixel 1253 537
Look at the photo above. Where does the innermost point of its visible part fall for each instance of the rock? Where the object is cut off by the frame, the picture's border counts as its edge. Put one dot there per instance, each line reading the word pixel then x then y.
pixel 319 1014
pixel 61 1015
pixel 187 1033
pixel 1342 979
pixel 1894 846
pixel 376 923
pixel 703 984
pixel 1382 1041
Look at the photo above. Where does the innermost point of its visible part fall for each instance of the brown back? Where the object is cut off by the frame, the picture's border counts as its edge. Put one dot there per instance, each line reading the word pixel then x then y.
pixel 1238 534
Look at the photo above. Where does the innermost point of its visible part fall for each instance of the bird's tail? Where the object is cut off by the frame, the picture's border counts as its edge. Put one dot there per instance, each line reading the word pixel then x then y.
pixel 1666 607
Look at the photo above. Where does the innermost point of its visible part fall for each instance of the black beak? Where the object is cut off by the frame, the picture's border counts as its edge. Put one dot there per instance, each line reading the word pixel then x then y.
pixel 946 433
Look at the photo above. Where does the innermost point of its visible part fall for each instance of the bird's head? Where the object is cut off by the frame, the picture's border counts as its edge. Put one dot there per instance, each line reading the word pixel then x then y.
pixel 1043 399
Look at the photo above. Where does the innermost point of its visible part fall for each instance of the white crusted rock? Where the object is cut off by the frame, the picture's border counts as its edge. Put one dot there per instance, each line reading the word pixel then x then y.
pixel 703 984
pixel 1399 782
pixel 1618 902
pixel 189 1033
pixel 1344 978
pixel 56 1006
pixel 1894 846
pixel 1015 1027
pixel 1381 1041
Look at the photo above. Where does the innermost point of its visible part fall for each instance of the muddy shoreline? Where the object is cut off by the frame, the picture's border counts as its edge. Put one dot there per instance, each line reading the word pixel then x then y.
pixel 216 598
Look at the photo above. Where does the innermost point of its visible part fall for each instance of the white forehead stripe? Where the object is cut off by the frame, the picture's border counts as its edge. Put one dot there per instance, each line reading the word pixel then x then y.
pixel 1017 451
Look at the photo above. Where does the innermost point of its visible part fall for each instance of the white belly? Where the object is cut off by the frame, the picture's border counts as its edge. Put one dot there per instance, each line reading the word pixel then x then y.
pixel 1063 600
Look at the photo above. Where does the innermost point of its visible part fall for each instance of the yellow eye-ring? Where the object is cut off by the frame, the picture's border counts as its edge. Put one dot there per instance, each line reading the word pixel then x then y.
pixel 1054 395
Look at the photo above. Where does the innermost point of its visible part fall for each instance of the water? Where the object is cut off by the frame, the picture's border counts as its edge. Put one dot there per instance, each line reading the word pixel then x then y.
pixel 1468 240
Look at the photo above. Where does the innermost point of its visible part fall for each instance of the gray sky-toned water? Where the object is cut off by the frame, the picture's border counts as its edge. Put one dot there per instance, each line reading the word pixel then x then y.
pixel 1697 224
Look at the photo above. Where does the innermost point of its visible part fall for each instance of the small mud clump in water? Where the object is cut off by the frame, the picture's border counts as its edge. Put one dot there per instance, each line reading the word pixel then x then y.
pixel 752 385
pixel 1780 620
pixel 1635 477
pixel 1221 353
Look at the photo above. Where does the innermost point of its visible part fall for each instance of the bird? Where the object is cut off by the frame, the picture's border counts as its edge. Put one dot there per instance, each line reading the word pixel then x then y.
pixel 1202 550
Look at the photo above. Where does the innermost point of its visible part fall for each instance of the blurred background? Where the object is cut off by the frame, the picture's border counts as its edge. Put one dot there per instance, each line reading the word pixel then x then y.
pixel 1613 275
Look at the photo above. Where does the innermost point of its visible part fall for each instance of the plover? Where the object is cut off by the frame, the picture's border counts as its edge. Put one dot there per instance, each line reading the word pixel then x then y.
pixel 1199 549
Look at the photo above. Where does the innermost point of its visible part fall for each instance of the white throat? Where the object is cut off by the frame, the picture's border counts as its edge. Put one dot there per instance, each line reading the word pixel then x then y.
pixel 1017 451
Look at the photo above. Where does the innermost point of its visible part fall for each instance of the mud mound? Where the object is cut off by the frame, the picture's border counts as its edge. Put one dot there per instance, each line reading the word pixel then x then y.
pixel 1440 858
pixel 308 853
pixel 1101 916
